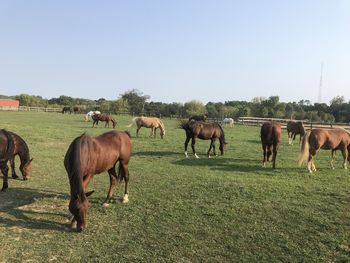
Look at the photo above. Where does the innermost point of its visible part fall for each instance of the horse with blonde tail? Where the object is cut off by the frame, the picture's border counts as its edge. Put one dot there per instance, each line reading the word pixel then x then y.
pixel 326 139
pixel 148 122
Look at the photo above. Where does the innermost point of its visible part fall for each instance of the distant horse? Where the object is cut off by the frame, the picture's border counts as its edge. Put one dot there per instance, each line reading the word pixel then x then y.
pixel 228 121
pixel 76 110
pixel 204 131
pixel 87 156
pixel 270 134
pixel 294 128
pixel 90 113
pixel 198 117
pixel 66 109
pixel 21 149
pixel 103 117
pixel 149 122
pixel 327 139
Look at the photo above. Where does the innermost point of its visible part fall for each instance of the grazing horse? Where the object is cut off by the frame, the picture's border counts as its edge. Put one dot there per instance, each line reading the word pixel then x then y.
pixel 204 131
pixel 88 115
pixel 294 128
pixel 87 156
pixel 148 122
pixel 327 139
pixel 6 150
pixel 270 134
pixel 103 117
pixel 76 110
pixel 198 117
pixel 21 149
pixel 66 109
pixel 228 121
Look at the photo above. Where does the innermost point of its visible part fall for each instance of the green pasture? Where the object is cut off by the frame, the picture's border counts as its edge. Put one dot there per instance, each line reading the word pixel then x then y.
pixel 224 209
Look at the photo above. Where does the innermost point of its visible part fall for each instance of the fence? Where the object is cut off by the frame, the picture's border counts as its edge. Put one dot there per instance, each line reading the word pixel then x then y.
pixel 254 121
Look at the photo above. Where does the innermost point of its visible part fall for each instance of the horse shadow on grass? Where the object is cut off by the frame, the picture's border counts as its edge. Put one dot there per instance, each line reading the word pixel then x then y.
pixel 156 153
pixel 232 165
pixel 17 202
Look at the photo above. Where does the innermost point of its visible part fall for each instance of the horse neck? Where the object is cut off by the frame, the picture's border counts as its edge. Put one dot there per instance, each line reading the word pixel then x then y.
pixel 22 150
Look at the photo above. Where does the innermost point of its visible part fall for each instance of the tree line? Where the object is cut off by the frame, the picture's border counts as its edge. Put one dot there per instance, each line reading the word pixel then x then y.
pixel 135 102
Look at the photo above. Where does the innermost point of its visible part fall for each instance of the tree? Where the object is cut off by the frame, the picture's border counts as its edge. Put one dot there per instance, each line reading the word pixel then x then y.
pixel 136 101
pixel 194 107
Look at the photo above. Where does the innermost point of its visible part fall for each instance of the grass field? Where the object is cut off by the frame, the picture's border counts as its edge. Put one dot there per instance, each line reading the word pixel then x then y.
pixel 223 209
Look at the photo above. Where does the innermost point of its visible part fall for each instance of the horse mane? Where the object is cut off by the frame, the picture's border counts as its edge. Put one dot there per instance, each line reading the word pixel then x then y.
pixel 161 125
pixel 26 149
pixel 128 133
pixel 72 160
pixel 10 145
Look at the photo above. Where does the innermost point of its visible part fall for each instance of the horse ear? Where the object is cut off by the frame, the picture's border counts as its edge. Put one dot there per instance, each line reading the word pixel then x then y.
pixel 30 160
pixel 89 193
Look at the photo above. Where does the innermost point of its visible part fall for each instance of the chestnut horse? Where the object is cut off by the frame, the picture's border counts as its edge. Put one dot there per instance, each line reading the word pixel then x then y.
pixel 327 139
pixel 6 150
pixel 103 117
pixel 21 149
pixel 205 131
pixel 270 134
pixel 149 122
pixel 294 128
pixel 87 156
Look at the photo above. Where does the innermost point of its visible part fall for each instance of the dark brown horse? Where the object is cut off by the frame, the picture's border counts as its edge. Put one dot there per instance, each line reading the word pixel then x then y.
pixel 66 109
pixel 293 129
pixel 327 139
pixel 103 117
pixel 76 110
pixel 17 147
pixel 198 117
pixel 87 156
pixel 270 134
pixel 6 149
pixel 204 131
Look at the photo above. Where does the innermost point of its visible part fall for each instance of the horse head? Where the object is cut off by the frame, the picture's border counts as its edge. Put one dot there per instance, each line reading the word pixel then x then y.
pixel 78 206
pixel 26 169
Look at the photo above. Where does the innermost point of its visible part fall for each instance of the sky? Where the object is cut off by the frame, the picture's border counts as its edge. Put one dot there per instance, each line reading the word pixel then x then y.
pixel 176 51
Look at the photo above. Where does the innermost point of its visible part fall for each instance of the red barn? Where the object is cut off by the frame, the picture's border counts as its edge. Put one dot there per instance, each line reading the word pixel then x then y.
pixel 9 104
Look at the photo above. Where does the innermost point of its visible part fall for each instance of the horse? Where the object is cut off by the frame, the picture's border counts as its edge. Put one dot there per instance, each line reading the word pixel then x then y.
pixel 66 109
pixel 148 122
pixel 21 149
pixel 103 117
pixel 326 139
pixel 294 128
pixel 87 156
pixel 76 110
pixel 90 113
pixel 270 134
pixel 6 149
pixel 228 121
pixel 198 117
pixel 204 131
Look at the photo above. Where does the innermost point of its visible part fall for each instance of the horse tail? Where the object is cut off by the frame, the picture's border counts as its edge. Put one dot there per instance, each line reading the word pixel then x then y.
pixel 222 134
pixel 120 175
pixel 304 151
pixel 10 146
pixel 72 164
pixel 132 122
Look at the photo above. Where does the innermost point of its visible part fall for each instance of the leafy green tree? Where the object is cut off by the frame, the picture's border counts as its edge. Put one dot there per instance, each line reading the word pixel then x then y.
pixel 136 101
pixel 194 107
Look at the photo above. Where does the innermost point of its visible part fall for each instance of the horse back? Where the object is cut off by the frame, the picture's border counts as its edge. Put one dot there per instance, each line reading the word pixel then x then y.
pixel 329 138
pixel 270 133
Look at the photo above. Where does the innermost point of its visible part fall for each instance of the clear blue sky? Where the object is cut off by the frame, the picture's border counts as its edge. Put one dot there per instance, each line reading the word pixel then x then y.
pixel 176 51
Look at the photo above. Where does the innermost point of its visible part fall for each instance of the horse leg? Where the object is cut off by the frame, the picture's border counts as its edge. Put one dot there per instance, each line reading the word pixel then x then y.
pixel 289 138
pixel 214 152
pixel 12 163
pixel 211 146
pixel 345 157
pixel 274 155
pixel 112 176
pixel 294 137
pixel 124 170
pixel 188 138
pixel 264 154
pixel 4 169
pixel 86 181
pixel 269 152
pixel 332 159
pixel 155 132
pixel 193 149
pixel 137 131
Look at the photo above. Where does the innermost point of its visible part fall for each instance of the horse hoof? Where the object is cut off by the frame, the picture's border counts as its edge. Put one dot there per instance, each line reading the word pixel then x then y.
pixel 197 157
pixel 125 199
pixel 105 205
pixel 4 190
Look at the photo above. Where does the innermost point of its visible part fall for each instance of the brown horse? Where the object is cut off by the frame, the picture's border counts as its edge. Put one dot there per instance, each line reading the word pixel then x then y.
pixel 294 128
pixel 6 150
pixel 198 117
pixel 87 156
pixel 327 139
pixel 270 134
pixel 204 131
pixel 21 149
pixel 66 109
pixel 103 117
pixel 149 122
